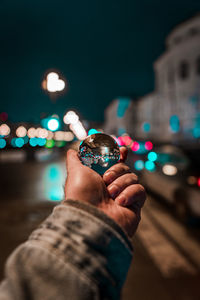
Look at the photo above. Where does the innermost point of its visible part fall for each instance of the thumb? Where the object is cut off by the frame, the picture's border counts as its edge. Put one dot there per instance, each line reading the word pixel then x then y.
pixel 72 161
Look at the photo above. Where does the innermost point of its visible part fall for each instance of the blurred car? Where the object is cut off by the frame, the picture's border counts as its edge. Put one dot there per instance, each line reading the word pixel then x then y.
pixel 175 176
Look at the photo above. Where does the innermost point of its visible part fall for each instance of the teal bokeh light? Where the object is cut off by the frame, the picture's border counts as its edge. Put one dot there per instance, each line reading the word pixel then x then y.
pixel 2 143
pixel 13 142
pixel 121 131
pixel 139 165
pixel 33 142
pixel 19 142
pixel 51 123
pixel 93 131
pixel 123 104
pixel 152 156
pixel 26 139
pixel 196 132
pixel 149 165
pixel 146 127
pixel 41 142
pixel 174 123
pixel 53 182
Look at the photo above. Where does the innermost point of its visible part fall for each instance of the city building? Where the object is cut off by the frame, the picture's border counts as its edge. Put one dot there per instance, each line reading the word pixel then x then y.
pixel 171 113
pixel 119 116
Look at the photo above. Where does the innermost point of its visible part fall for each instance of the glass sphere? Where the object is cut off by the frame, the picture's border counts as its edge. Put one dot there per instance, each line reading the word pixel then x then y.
pixel 99 151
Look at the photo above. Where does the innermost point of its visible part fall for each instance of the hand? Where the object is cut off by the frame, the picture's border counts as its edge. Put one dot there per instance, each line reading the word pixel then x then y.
pixel 121 199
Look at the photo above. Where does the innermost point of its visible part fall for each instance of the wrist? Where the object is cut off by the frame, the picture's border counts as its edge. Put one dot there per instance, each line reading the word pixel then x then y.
pixel 101 213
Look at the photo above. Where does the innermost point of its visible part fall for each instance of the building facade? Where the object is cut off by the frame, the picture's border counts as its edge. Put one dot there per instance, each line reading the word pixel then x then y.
pixel 171 113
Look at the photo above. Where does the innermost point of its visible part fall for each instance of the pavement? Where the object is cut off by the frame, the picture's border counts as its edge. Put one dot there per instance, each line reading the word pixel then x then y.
pixel 166 263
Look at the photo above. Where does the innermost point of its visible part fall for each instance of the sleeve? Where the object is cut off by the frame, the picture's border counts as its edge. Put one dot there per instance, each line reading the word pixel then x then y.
pixel 78 252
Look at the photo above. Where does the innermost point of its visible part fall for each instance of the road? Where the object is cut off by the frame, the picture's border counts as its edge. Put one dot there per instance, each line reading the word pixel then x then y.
pixel 166 262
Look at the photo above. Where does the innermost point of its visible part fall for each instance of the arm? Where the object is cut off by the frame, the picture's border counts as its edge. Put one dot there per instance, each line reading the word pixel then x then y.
pixel 81 251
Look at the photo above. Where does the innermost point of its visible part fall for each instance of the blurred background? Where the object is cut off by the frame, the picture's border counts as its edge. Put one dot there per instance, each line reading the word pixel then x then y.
pixel 127 68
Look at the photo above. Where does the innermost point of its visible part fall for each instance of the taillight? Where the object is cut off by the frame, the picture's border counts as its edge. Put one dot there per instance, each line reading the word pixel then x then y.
pixel 198 182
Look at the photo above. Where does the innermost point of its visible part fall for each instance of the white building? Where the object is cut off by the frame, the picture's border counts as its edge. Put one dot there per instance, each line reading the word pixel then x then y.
pixel 120 116
pixel 172 111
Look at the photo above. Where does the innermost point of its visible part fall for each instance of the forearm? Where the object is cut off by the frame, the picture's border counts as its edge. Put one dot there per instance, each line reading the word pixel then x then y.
pixel 77 252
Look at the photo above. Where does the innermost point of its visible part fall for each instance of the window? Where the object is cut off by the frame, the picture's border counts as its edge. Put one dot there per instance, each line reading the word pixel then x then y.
pixel 184 70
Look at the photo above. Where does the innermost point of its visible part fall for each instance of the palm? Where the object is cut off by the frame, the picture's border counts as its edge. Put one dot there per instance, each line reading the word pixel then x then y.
pixel 86 185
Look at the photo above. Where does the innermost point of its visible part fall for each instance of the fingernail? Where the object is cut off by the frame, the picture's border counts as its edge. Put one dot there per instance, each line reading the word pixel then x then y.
pixel 121 200
pixel 113 190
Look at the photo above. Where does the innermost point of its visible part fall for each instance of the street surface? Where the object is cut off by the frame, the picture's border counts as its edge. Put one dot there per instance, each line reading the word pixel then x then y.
pixel 166 262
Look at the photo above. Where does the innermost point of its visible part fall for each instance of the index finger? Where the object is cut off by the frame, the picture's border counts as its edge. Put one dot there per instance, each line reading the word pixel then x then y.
pixel 115 171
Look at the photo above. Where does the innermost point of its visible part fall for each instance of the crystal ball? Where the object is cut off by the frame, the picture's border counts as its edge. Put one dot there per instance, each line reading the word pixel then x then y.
pixel 99 151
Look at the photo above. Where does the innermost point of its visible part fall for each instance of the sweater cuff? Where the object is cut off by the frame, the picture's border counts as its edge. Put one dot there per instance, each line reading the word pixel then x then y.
pixel 91 209
pixel 83 236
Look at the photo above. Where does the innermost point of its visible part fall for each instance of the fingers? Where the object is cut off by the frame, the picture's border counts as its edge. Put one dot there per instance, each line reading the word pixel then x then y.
pixel 123 153
pixel 114 172
pixel 119 184
pixel 132 196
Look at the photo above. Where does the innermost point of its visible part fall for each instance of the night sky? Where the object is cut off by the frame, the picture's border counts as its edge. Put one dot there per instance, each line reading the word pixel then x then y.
pixel 104 48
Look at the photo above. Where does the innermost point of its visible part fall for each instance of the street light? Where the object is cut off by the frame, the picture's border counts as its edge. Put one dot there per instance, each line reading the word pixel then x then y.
pixel 52 83
pixel 53 124
pixel 70 117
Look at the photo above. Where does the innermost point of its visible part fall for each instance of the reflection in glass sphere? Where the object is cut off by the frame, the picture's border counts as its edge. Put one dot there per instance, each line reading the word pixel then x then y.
pixel 99 151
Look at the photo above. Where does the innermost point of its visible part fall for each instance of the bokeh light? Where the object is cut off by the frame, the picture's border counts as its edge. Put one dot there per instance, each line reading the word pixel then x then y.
pixel 196 132
pixel 21 131
pixel 71 117
pixel 60 144
pixel 3 116
pixel 53 181
pixel 149 165
pixel 50 144
pixel 139 165
pixel 126 140
pixel 19 142
pixel 135 146
pixel 13 142
pixel 41 142
pixel 53 124
pixel 42 133
pixel 4 130
pixel 120 141
pixel 146 126
pixel 152 156
pixel 33 142
pixel 59 135
pixel 93 131
pixel 68 136
pixel 169 170
pixel 79 130
pixel 31 132
pixel 174 123
pixel 50 135
pixel 54 83
pixel 2 143
pixel 26 139
pixel 148 145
